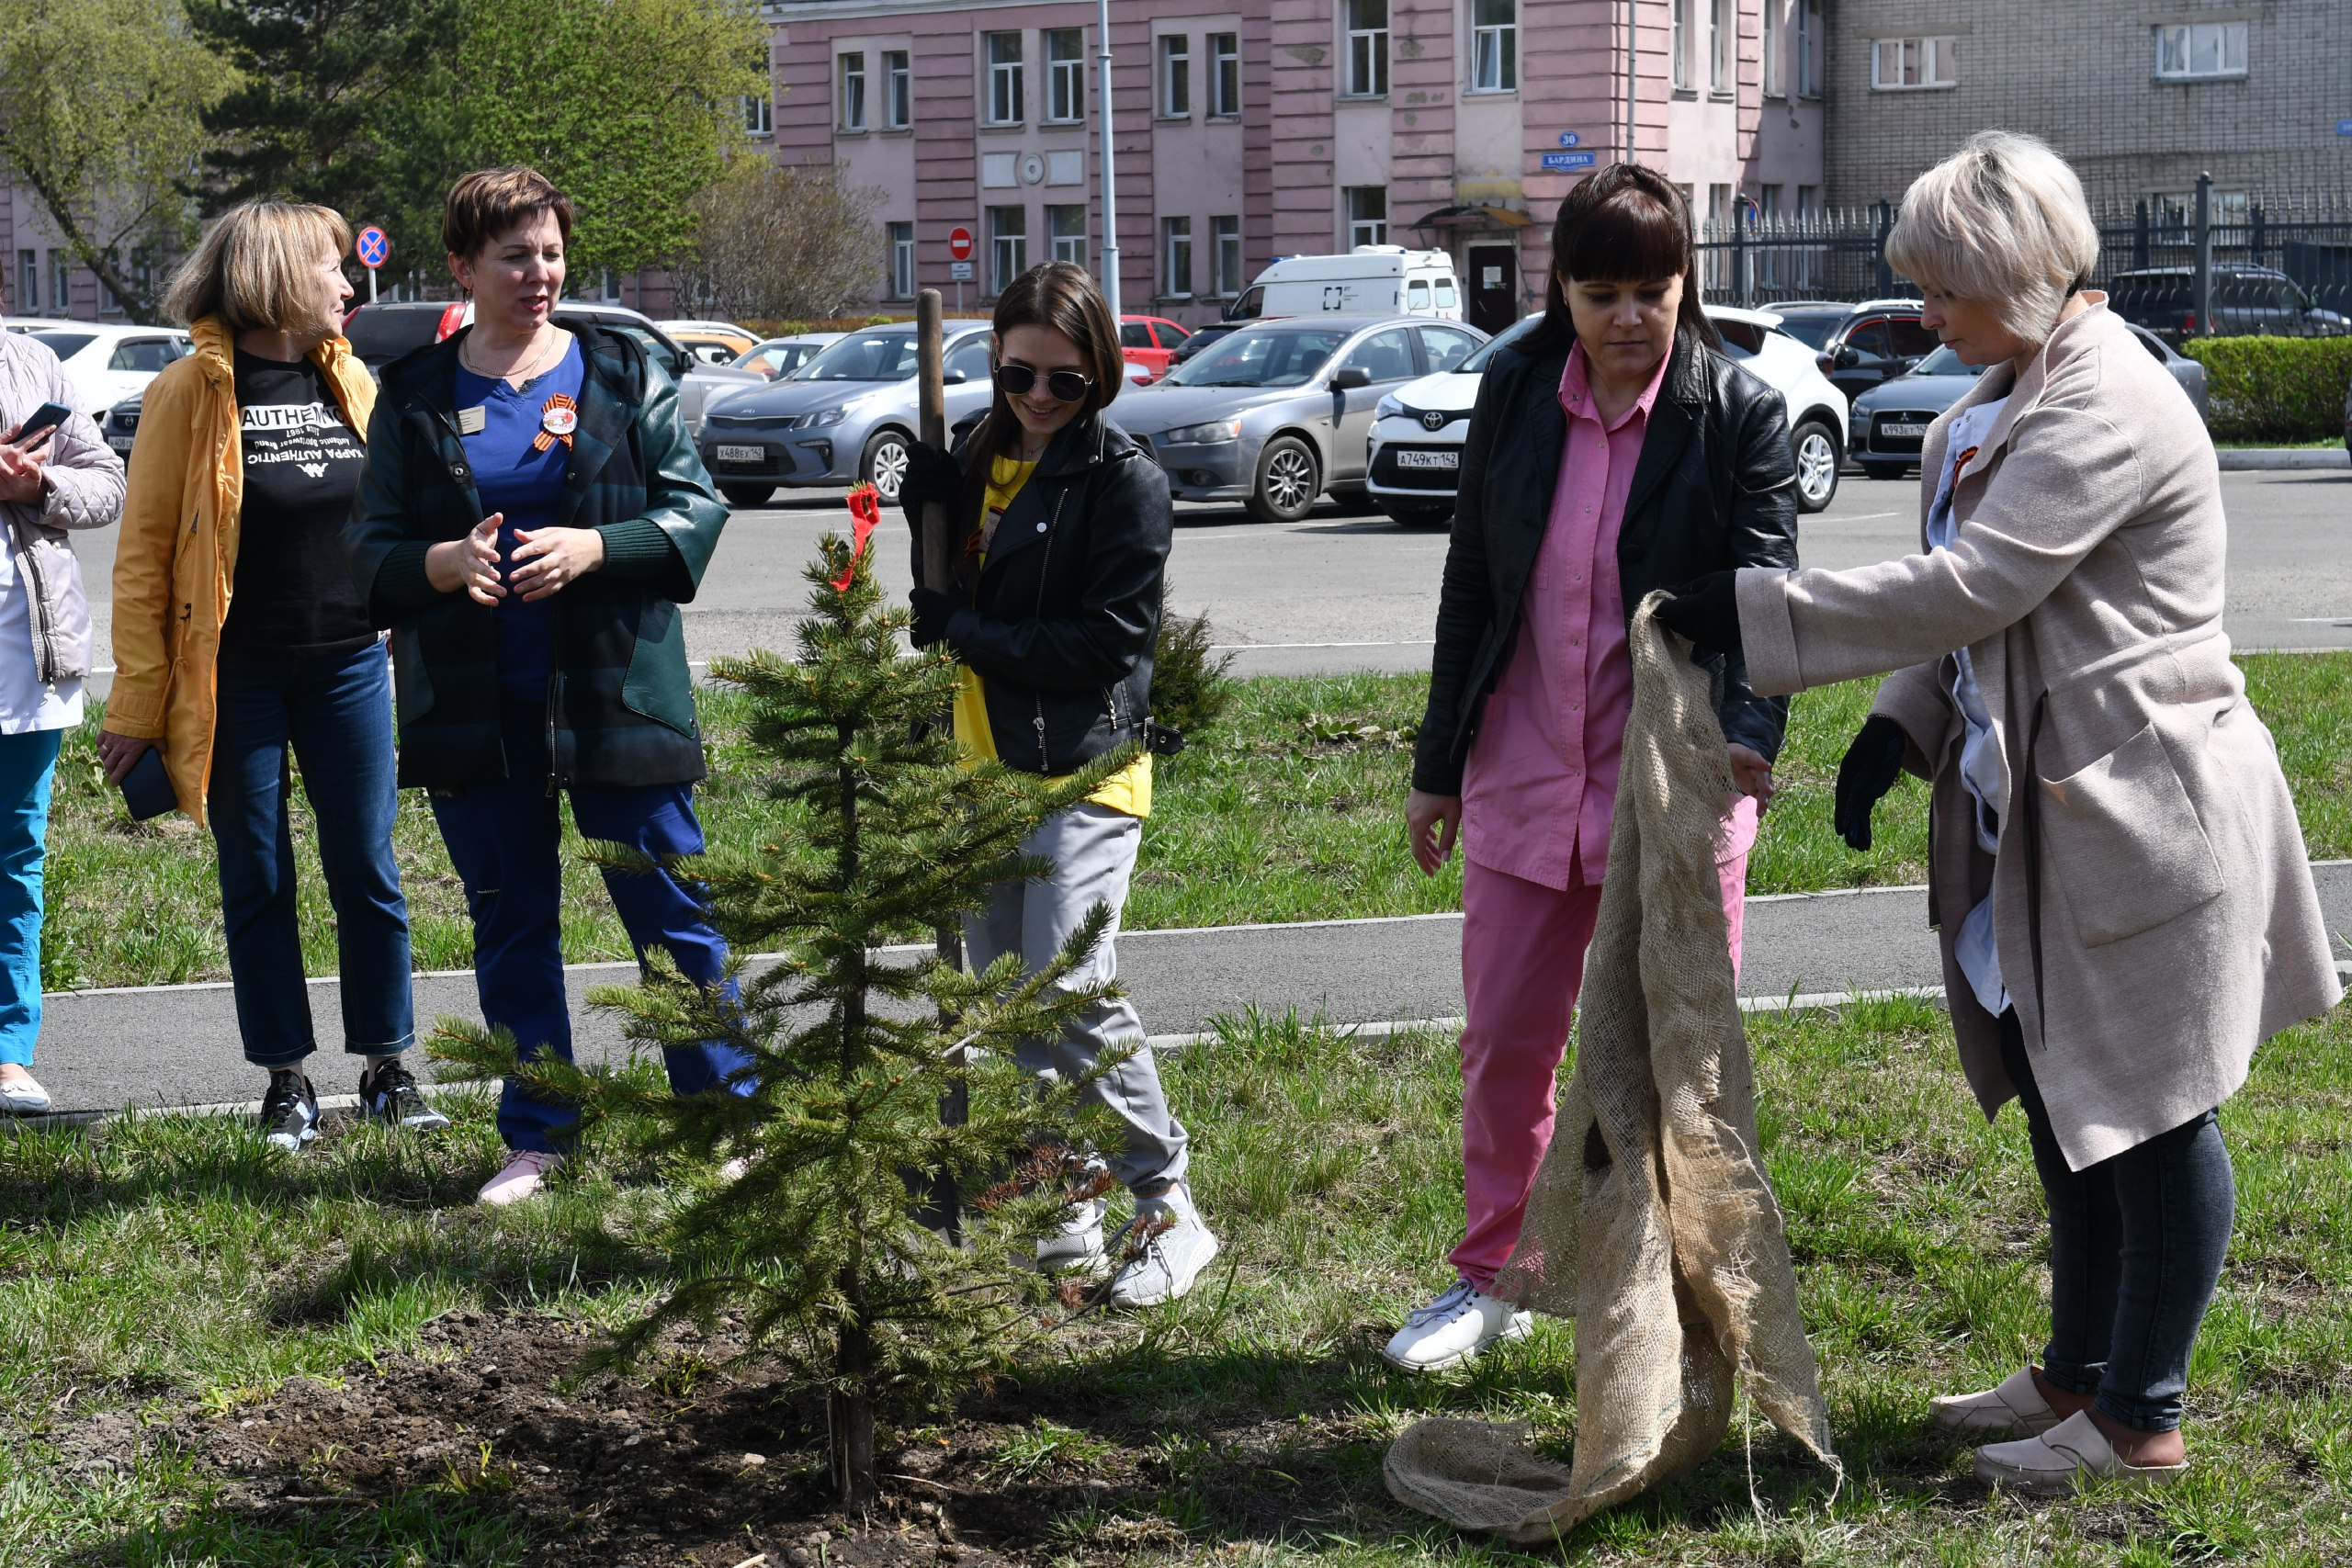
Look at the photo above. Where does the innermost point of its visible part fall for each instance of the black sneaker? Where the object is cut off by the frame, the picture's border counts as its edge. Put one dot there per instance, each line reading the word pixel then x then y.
pixel 289 1111
pixel 389 1095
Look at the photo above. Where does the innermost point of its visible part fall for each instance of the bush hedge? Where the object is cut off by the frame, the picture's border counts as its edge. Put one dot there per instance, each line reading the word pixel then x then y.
pixel 2274 388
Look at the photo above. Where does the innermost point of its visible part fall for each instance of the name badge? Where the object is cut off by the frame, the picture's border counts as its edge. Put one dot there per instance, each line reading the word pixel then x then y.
pixel 473 420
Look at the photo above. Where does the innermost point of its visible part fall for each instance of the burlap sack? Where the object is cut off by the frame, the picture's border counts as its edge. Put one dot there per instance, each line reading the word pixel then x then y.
pixel 1651 1221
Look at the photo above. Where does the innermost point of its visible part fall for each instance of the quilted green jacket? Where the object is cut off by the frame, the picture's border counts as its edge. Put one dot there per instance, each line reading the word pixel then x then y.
pixel 620 706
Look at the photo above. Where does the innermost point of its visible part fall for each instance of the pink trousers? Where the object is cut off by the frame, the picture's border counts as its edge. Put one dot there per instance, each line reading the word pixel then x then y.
pixel 1522 964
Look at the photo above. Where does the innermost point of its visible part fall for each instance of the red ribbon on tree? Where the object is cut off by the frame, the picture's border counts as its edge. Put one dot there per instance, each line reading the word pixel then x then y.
pixel 866 510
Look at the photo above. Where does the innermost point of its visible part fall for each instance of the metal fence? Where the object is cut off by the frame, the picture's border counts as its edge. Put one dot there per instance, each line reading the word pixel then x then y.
pixel 2199 266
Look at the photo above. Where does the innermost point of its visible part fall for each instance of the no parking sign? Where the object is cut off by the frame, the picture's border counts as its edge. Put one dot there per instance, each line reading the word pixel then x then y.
pixel 374 248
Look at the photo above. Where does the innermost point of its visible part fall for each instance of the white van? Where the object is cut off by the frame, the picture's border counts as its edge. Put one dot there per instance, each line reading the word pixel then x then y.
pixel 1371 280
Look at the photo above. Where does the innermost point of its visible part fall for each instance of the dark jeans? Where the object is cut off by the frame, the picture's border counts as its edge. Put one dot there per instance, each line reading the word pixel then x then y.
pixel 2136 1243
pixel 336 711
pixel 504 839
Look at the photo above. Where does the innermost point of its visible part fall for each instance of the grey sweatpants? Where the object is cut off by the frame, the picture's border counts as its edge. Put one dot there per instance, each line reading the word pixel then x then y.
pixel 1093 851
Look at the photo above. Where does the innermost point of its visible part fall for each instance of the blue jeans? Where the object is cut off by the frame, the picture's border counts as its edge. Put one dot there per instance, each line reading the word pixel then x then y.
pixel 335 712
pixel 27 761
pixel 2136 1243
pixel 504 838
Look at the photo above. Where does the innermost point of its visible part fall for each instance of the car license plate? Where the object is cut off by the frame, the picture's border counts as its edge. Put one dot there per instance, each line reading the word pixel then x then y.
pixel 1907 432
pixel 120 443
pixel 743 454
pixel 1409 458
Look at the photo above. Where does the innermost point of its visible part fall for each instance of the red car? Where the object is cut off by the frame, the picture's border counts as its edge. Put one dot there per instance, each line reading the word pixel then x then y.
pixel 1150 342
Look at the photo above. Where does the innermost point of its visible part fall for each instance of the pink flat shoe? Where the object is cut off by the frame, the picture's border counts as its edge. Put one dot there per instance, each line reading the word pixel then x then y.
pixel 2016 1405
pixel 2072 1454
pixel 525 1176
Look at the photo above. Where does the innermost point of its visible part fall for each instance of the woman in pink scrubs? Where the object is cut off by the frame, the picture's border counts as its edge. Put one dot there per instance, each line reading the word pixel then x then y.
pixel 1614 449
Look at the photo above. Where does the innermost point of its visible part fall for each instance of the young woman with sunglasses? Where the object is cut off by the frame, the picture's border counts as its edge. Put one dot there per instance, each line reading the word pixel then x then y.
pixel 1064 525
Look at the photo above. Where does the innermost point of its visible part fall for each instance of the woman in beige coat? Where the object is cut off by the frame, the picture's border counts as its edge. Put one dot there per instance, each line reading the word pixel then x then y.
pixel 2118 877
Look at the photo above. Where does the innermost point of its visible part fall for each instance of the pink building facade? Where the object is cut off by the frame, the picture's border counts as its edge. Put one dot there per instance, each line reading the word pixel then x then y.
pixel 1249 130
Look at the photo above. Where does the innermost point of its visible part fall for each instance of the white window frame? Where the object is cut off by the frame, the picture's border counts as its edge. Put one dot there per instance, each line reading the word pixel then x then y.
pixel 28 299
pixel 1721 29
pixel 1067 246
pixel 849 91
pixel 1225 262
pixel 1934 59
pixel 1494 49
pixel 1809 37
pixel 60 283
pixel 1008 249
pixel 1006 95
pixel 1175 72
pixel 1065 77
pixel 1678 45
pixel 1224 75
pixel 2188 36
pixel 1175 243
pixel 897 90
pixel 1365 228
pixel 1776 78
pixel 1367 49
pixel 759 109
pixel 902 260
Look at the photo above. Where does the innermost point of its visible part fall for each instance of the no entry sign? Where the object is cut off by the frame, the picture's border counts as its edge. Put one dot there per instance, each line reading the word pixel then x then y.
pixel 959 243
pixel 373 247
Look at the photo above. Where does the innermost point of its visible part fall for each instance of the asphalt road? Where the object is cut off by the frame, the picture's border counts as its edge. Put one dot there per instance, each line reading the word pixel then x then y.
pixel 1337 591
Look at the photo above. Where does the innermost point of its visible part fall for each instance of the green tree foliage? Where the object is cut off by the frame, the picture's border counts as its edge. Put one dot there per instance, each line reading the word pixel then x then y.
pixel 852 1055
pixel 1192 684
pixel 101 109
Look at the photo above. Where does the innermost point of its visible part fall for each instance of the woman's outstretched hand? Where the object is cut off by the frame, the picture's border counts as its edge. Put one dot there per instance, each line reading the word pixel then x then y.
pixel 1872 763
pixel 1705 612
pixel 1751 774
pixel 1432 823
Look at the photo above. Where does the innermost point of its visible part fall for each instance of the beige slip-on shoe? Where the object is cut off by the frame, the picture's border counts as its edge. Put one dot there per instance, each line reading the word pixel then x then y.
pixel 2016 1405
pixel 2065 1456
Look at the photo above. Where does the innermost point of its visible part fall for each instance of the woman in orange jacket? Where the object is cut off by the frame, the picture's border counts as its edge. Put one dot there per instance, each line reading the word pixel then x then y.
pixel 238 636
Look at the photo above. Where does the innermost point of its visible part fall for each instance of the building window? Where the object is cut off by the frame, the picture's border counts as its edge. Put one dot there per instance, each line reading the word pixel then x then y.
pixel 1367 215
pixel 2187 52
pixel 1068 227
pixel 1719 35
pixel 759 109
pixel 27 282
pixel 60 283
pixel 1493 46
pixel 852 97
pixel 1007 246
pixel 1175 76
pixel 1224 75
pixel 1677 48
pixel 1901 64
pixel 1367 49
pixel 898 91
pixel 903 261
pixel 1066 75
pixel 1809 36
pixel 1004 79
pixel 1775 83
pixel 1224 233
pixel 1176 257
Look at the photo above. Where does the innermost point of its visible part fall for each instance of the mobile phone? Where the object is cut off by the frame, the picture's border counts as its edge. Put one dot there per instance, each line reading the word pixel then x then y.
pixel 147 788
pixel 44 419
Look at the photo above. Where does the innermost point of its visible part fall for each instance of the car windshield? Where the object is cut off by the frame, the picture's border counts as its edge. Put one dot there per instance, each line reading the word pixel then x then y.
pixel 1261 356
pixel 862 357
pixel 1811 331
pixel 1476 364
pixel 65 346
pixel 1944 362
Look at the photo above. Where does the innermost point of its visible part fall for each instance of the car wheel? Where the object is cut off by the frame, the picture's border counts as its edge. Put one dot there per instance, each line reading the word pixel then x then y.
pixel 884 463
pixel 747 495
pixel 1288 482
pixel 1409 515
pixel 1884 470
pixel 1815 446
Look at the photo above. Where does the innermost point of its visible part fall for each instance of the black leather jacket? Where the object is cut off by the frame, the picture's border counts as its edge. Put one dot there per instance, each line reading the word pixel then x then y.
pixel 1061 621
pixel 1715 488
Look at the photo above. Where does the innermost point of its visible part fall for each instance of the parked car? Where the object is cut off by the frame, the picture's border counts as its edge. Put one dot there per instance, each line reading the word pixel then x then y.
pixel 1151 342
pixel 1857 346
pixel 1203 336
pixel 382 333
pixel 107 364
pixel 848 414
pixel 1367 281
pixel 2246 300
pixel 1890 423
pixel 1277 413
pixel 1413 451
pixel 713 343
pixel 780 357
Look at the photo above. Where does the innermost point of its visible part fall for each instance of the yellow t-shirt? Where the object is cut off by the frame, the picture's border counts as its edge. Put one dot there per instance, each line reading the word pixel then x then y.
pixel 1129 789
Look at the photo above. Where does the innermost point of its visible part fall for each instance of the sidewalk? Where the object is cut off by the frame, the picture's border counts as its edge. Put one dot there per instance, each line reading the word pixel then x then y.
pixel 166 1045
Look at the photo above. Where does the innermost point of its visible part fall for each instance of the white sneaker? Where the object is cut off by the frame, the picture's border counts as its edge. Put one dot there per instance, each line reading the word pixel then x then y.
pixel 1172 1258
pixel 22 1095
pixel 2066 1457
pixel 1453 1328
pixel 2015 1405
pixel 526 1174
pixel 1077 1246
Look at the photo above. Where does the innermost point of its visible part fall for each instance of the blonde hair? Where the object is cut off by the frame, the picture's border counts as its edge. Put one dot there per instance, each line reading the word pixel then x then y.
pixel 2002 220
pixel 253 268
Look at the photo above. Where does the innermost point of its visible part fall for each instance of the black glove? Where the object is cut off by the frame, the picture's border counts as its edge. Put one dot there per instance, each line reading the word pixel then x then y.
pixel 1872 763
pixel 1705 611
pixel 933 477
pixel 932 609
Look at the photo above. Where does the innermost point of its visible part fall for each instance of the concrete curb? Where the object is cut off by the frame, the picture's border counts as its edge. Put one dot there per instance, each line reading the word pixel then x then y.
pixel 2253 460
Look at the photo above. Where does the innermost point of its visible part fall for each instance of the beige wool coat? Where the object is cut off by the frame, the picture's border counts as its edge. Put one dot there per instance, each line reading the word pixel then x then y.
pixel 2154 908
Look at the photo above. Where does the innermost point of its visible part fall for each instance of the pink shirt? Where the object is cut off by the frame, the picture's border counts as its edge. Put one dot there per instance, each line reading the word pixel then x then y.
pixel 1541 779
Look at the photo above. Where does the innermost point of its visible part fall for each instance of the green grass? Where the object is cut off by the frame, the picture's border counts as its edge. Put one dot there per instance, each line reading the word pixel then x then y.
pixel 160 1274
pixel 1302 787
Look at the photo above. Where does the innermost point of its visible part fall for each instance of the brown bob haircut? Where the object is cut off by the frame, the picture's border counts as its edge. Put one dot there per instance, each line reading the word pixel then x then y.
pixel 252 270
pixel 1061 296
pixel 1626 223
pixel 491 202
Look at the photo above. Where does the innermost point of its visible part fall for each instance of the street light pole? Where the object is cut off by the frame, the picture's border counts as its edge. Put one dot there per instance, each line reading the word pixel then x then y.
pixel 1110 187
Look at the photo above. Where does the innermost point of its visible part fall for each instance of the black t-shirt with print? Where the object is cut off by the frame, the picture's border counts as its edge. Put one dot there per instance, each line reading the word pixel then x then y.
pixel 292 592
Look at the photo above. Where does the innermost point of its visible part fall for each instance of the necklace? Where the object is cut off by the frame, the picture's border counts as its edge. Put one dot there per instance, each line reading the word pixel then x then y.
pixel 522 372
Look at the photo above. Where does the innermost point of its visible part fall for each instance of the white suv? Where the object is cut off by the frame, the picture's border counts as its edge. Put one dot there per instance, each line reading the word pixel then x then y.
pixel 1414 450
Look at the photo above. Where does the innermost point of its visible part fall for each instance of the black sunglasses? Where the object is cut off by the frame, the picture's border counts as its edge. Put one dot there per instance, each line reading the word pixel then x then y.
pixel 1065 386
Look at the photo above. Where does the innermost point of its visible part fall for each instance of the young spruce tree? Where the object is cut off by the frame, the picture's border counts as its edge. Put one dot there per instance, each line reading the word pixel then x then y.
pixel 821 1240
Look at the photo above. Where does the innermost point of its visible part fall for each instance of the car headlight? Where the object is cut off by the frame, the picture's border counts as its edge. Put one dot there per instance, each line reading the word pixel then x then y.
pixel 1387 408
pixel 824 417
pixel 1209 435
